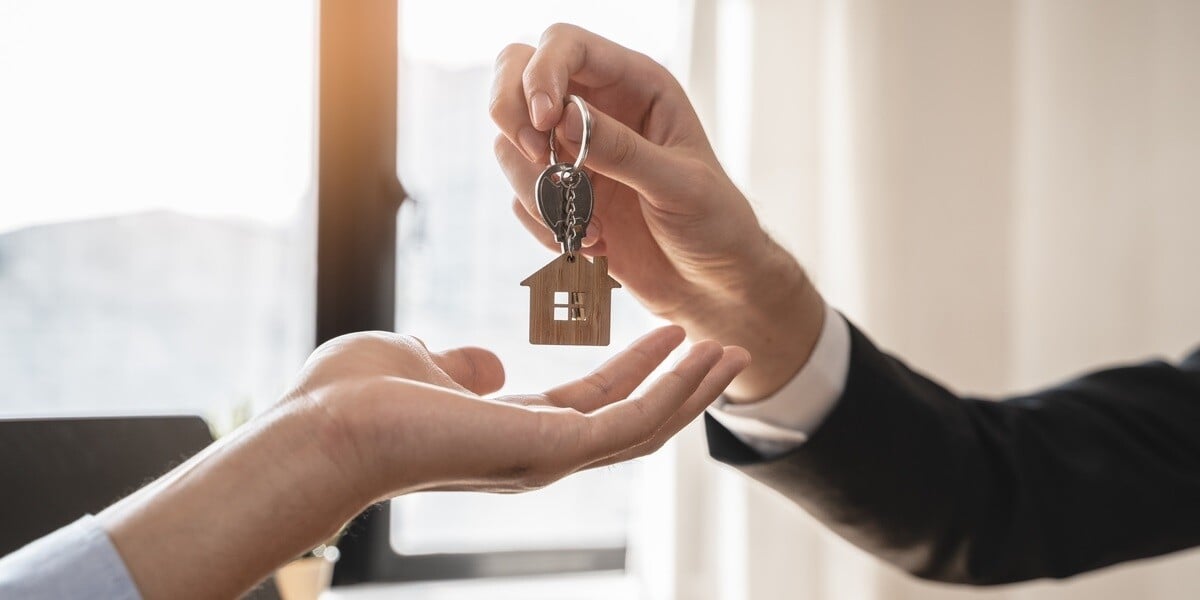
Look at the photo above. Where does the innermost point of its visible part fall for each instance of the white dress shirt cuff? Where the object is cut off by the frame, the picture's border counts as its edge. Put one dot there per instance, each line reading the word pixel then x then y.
pixel 781 422
pixel 77 561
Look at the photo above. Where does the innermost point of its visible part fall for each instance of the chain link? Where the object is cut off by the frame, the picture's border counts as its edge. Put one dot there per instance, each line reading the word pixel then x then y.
pixel 569 181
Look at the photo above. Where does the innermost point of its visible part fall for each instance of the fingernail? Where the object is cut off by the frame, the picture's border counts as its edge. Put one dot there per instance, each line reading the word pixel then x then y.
pixel 540 106
pixel 573 129
pixel 531 142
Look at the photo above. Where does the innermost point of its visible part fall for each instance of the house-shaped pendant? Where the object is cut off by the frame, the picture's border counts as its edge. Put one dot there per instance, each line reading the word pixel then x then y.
pixel 569 302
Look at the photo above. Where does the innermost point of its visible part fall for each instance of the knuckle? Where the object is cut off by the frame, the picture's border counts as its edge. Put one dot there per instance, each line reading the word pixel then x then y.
pixel 532 77
pixel 693 177
pixel 558 30
pixel 510 52
pixel 404 339
pixel 676 378
pixel 346 350
pixel 500 145
pixel 664 75
pixel 646 425
pixel 643 411
pixel 403 342
pixel 623 148
pixel 348 342
pixel 497 106
pixel 599 382
pixel 327 348
pixel 505 107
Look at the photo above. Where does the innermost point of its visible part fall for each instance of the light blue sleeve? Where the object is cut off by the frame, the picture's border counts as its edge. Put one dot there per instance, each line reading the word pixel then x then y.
pixel 77 561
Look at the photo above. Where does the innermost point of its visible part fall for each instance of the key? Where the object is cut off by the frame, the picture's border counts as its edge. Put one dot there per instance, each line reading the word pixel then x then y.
pixel 570 298
pixel 564 197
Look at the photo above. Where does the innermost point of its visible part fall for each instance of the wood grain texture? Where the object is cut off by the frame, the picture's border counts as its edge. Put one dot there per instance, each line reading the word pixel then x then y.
pixel 579 276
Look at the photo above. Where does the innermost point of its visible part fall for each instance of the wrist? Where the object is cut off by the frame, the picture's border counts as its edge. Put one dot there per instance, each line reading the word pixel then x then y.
pixel 773 310
pixel 332 445
pixel 318 461
pixel 226 518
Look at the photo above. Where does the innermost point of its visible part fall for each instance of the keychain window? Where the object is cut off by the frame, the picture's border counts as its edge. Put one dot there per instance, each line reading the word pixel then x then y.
pixel 570 306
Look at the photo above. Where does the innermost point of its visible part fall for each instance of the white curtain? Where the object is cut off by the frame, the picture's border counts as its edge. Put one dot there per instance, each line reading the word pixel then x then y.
pixel 1003 193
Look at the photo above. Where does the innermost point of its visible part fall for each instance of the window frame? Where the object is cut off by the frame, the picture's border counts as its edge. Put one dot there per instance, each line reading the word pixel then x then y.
pixel 358 199
pixel 575 305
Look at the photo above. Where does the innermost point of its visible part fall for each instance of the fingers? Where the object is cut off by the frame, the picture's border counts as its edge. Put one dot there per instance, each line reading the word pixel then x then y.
pixel 519 443
pixel 644 121
pixel 568 53
pixel 508 108
pixel 614 150
pixel 521 176
pixel 521 173
pixel 623 154
pixel 620 375
pixel 475 369
pixel 734 361
pixel 635 420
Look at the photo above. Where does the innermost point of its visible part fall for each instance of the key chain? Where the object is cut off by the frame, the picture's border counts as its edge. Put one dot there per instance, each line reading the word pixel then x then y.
pixel 569 298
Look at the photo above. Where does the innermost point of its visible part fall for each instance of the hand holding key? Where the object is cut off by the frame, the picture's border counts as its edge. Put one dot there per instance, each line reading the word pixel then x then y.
pixel 677 232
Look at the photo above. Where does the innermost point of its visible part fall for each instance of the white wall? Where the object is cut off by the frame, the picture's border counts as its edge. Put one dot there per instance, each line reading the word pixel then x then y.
pixel 1003 193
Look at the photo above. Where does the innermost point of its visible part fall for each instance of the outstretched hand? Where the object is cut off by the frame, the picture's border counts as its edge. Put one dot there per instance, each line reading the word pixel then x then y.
pixel 375 415
pixel 411 419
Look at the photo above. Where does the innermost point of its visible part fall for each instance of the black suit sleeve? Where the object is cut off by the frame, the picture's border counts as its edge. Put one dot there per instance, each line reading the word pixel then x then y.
pixel 1098 470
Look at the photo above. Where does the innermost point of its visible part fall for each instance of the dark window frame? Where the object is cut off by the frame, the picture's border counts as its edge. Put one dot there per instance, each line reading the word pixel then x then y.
pixel 358 198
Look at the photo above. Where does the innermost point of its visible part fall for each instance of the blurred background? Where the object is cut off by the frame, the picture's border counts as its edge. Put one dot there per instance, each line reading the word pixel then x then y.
pixel 1004 193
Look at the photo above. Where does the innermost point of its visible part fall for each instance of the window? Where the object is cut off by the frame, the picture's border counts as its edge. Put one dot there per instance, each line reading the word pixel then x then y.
pixel 462 256
pixel 155 164
pixel 157 234
pixel 570 306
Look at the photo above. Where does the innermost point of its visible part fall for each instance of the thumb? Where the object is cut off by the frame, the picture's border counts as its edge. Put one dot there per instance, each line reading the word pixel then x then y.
pixel 620 153
pixel 476 369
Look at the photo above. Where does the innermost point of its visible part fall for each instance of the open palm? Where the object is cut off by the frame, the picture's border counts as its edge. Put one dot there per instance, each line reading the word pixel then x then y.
pixel 416 420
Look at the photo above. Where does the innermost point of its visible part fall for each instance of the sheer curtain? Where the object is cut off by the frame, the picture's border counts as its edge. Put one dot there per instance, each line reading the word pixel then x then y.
pixel 1003 193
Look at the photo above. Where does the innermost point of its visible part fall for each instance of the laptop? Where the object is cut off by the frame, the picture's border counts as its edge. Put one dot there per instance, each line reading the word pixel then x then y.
pixel 53 471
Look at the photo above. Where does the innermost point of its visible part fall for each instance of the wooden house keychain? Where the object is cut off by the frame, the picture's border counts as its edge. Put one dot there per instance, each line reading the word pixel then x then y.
pixel 569 299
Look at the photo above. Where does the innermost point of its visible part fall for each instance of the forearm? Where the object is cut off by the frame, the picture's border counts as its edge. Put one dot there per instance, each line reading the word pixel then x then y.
pixel 975 491
pixel 224 520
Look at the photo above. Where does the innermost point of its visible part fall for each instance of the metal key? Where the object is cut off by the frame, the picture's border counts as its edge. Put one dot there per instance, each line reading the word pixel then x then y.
pixel 569 298
pixel 564 197
pixel 564 192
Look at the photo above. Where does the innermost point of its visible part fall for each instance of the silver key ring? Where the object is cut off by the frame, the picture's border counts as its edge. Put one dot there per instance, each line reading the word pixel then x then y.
pixel 587 133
